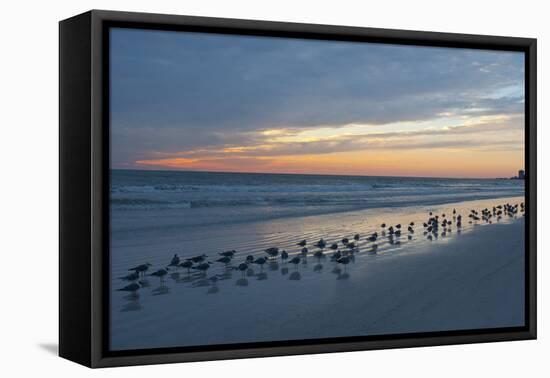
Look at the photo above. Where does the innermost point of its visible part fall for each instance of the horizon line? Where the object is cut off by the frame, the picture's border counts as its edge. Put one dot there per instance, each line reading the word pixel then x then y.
pixel 310 174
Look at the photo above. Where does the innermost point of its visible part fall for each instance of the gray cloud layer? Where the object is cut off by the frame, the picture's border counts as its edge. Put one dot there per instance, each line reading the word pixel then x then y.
pixel 175 91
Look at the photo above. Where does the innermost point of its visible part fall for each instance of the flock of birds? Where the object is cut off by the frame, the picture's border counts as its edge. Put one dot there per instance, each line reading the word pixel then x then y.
pixel 342 252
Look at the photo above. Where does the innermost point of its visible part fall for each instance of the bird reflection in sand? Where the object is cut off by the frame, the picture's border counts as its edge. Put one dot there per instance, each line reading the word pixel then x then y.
pixel 262 276
pixel 343 276
pixel 214 285
pixel 161 290
pixel 242 282
pixel 318 268
pixel 132 304
pixel 145 283
pixel 295 276
pixel 203 282
pixel 284 271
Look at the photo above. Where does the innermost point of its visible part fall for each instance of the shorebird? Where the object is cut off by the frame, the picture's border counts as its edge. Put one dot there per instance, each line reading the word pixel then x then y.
pixel 242 267
pixel 356 237
pixel 321 244
pixel 304 251
pixel 202 267
pixel 410 229
pixel 398 226
pixel 160 273
pixel 284 255
pixel 130 277
pixel 225 259
pixel 272 252
pixel 345 241
pixel 336 255
pixel 302 243
pixel 334 246
pixel 260 261
pixel 249 259
pixel 383 225
pixel 373 237
pixel 133 287
pixel 344 261
pixel 197 259
pixel 175 260
pixel 141 269
pixel 228 253
pixel 187 264
pixel 295 260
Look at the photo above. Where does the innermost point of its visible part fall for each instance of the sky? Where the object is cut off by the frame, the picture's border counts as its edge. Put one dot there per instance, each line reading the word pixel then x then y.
pixel 211 102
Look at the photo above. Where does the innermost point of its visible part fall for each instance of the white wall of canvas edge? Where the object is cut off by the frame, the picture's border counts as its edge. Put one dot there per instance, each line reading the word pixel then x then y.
pixel 29 144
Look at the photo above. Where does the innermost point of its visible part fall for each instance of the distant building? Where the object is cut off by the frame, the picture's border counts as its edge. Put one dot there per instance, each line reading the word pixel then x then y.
pixel 520 176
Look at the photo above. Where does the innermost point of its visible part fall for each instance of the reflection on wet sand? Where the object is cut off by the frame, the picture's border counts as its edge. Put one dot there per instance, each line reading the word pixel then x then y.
pixel 161 290
pixel 242 282
pixel 295 276
pixel 132 304
pixel 335 254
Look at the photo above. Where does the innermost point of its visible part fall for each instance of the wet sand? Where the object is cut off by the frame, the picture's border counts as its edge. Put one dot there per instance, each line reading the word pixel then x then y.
pixel 467 280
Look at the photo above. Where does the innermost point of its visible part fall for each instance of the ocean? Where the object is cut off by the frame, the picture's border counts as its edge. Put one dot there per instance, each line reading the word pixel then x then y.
pixel 204 198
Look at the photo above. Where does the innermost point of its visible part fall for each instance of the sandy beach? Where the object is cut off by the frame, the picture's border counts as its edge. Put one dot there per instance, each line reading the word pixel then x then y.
pixel 466 279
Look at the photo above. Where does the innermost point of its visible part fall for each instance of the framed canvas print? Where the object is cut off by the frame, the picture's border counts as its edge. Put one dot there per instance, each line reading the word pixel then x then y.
pixel 233 188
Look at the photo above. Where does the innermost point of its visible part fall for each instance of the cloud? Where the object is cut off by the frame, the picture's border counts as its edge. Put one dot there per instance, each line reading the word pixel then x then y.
pixel 486 134
pixel 174 91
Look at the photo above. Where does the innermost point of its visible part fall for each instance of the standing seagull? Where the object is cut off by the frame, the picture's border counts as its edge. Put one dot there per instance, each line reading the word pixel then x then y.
pixel 344 261
pixel 272 252
pixel 260 261
pixel 242 267
pixel 141 269
pixel 225 259
pixel 302 243
pixel 187 264
pixel 160 274
pixel 228 253
pixel 202 267
pixel 321 243
pixel 175 260
pixel 197 259
pixel 295 260
pixel 284 255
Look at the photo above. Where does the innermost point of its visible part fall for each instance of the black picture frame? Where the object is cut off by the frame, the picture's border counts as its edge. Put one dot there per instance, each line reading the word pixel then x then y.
pixel 84 189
